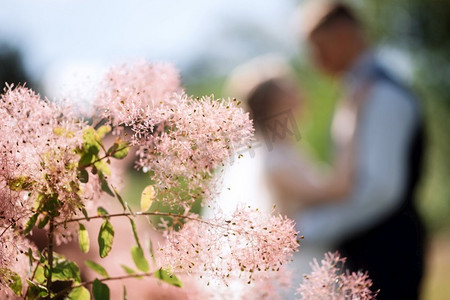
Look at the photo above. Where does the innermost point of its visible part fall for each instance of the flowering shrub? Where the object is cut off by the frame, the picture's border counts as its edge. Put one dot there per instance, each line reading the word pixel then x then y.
pixel 55 167
pixel 329 280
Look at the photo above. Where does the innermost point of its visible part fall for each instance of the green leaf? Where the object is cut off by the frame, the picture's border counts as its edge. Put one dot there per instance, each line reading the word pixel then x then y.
pixel 128 270
pixel 147 197
pixel 102 167
pixel 119 150
pixel 66 270
pixel 79 293
pixel 30 224
pixel 103 130
pixel 112 149
pixel 130 210
pixel 39 275
pixel 133 228
pixel 19 183
pixel 85 214
pixel 165 276
pixel 96 268
pixel 92 141
pixel 15 283
pixel 101 211
pixel 105 238
pixel 139 259
pixel 86 159
pixel 30 259
pixel 43 222
pixel 83 239
pixel 83 175
pixel 104 184
pixel 120 199
pixel 100 290
pixel 36 291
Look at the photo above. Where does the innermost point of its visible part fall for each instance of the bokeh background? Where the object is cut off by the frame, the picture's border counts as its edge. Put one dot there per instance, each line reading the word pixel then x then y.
pixel 62 47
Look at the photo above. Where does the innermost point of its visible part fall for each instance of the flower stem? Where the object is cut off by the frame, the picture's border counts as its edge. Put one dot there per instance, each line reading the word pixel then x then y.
pixel 50 255
pixel 137 275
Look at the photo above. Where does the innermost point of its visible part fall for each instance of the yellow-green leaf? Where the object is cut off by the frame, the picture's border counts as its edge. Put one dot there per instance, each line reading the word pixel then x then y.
pixel 30 224
pixel 83 239
pixel 139 259
pixel 147 197
pixel 105 238
pixel 96 268
pixel 79 293
pixel 103 130
pixel 165 276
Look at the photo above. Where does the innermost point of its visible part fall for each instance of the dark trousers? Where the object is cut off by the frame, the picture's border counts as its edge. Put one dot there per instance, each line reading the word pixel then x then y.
pixel 393 255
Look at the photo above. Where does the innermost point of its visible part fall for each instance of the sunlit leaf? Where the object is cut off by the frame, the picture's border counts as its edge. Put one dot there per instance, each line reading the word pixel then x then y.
pixel 64 270
pixel 120 199
pixel 36 290
pixel 83 239
pixel 15 283
pixel 30 224
pixel 103 130
pixel 165 276
pixel 43 222
pixel 135 233
pixel 122 149
pixel 96 268
pixel 139 259
pixel 105 238
pixel 128 270
pixel 147 197
pixel 101 211
pixel 19 183
pixel 79 293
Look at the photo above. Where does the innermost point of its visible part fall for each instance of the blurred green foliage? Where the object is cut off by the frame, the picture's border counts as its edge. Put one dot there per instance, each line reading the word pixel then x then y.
pixel 421 30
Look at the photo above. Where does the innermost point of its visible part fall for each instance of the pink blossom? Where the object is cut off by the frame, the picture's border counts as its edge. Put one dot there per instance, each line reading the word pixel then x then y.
pixel 196 137
pixel 329 281
pixel 37 155
pixel 129 92
pixel 248 246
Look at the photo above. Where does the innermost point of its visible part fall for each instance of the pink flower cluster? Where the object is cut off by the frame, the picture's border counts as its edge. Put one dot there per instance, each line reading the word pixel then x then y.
pixel 328 280
pixel 196 138
pixel 248 245
pixel 130 93
pixel 181 139
pixel 38 160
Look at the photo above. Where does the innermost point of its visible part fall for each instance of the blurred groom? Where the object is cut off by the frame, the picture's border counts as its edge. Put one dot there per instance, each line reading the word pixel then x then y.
pixel 377 130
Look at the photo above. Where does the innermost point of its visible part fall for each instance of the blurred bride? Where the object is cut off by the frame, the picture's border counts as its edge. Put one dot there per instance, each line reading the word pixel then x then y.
pixel 261 176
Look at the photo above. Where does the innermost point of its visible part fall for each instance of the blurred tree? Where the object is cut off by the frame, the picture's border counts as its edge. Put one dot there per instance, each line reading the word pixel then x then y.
pixel 11 67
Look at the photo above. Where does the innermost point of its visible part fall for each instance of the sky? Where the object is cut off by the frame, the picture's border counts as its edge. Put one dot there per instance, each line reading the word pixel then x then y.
pixel 69 38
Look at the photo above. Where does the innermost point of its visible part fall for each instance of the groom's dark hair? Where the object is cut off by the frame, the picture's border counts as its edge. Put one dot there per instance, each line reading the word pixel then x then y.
pixel 333 13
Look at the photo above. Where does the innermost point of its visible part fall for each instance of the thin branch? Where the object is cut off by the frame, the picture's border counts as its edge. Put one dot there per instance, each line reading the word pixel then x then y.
pixel 70 288
pixel 125 214
pixel 50 253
